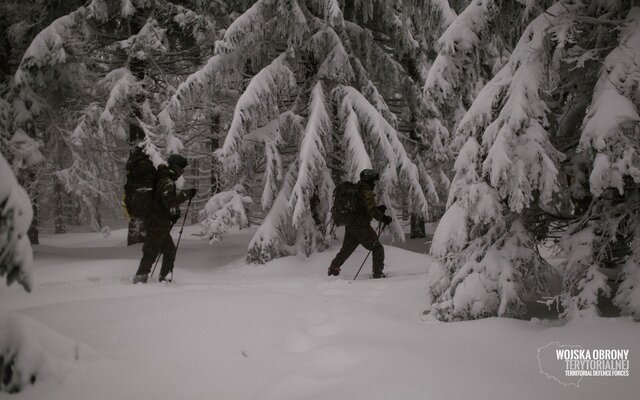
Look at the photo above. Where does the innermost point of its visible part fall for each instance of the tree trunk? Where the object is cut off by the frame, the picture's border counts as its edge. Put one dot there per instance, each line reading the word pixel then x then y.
pixel 59 209
pixel 98 214
pixel 215 167
pixel 136 231
pixel 417 227
pixel 33 233
pixel 196 184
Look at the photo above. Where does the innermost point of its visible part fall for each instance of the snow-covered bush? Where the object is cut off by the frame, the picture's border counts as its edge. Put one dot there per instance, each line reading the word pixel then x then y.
pixel 224 211
pixel 31 352
pixel 16 257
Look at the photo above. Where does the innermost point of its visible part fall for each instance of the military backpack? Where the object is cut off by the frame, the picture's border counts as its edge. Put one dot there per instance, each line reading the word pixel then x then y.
pixel 139 188
pixel 347 203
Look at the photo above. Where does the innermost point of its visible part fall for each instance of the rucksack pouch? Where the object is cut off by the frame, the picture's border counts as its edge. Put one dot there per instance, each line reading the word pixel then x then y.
pixel 139 205
pixel 346 204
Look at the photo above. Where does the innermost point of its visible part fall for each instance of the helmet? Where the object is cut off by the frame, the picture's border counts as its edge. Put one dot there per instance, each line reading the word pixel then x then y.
pixel 369 176
pixel 178 160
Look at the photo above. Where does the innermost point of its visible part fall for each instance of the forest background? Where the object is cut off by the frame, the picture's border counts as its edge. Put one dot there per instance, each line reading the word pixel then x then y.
pixel 513 124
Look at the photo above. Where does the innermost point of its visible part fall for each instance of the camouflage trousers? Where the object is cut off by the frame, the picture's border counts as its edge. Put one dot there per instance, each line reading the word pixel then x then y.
pixel 157 240
pixel 364 235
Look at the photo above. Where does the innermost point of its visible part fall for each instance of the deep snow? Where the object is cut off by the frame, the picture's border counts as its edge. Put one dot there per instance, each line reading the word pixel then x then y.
pixel 284 330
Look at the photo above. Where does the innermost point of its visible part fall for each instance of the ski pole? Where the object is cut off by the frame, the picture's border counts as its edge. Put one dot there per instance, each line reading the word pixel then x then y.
pixel 182 229
pixel 381 227
pixel 179 237
pixel 158 257
pixel 155 265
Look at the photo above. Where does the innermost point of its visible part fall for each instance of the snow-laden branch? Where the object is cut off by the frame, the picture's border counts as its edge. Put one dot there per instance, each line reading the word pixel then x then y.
pixel 47 48
pixel 16 257
pixel 242 26
pixel 464 32
pixel 311 155
pixel 224 211
pixel 148 41
pixel 445 11
pixel 398 167
pixel 328 48
pixel 370 91
pixel 520 158
pixel 123 87
pixel 273 172
pixel 381 64
pixel 258 101
pixel 582 282
pixel 628 295
pixel 357 158
pixel 269 241
pixel 613 113
pixel 201 27
pixel 456 43
pixel 189 89
pixel 273 134
pixel 331 11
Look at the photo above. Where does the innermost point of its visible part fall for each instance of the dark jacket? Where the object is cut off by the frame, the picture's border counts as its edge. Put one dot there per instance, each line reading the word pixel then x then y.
pixel 167 199
pixel 370 209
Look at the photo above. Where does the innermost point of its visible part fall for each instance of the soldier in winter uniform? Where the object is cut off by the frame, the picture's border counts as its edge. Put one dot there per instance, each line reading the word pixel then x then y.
pixel 165 211
pixel 361 232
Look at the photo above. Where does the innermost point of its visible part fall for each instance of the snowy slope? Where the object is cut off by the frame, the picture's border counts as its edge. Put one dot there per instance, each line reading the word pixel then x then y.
pixel 284 330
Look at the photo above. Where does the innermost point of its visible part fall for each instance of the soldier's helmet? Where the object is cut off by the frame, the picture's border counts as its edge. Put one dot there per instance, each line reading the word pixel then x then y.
pixel 369 176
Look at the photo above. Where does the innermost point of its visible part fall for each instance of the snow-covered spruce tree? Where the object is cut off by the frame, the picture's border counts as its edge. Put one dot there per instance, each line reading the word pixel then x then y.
pixel 28 350
pixel 486 257
pixel 310 115
pixel 596 222
pixel 609 139
pixel 16 257
pixel 470 48
pixel 100 42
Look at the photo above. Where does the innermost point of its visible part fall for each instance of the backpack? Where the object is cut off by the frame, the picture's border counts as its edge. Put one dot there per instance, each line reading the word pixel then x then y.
pixel 347 204
pixel 140 184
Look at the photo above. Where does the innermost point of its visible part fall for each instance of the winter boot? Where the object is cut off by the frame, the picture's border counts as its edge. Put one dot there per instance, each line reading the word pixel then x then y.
pixel 142 278
pixel 164 279
pixel 334 271
pixel 378 275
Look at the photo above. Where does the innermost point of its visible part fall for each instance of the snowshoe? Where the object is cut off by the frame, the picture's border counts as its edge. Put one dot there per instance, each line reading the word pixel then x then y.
pixel 142 278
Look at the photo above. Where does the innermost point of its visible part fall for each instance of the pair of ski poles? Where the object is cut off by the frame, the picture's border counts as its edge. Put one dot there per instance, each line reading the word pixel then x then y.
pixel 177 244
pixel 381 227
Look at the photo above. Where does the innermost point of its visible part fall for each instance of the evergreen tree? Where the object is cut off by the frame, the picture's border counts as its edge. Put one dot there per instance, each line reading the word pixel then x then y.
pixel 135 50
pixel 608 138
pixel 311 97
pixel 510 191
pixel 491 264
pixel 16 257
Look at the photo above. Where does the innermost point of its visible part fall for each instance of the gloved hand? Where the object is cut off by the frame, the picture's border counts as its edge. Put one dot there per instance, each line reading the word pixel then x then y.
pixel 387 220
pixel 175 215
pixel 191 193
pixel 382 208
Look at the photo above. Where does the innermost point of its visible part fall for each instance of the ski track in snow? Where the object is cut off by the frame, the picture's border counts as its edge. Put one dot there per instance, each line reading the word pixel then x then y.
pixel 227 330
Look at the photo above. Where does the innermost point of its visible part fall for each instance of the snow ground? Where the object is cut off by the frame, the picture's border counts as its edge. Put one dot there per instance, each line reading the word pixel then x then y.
pixel 225 330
